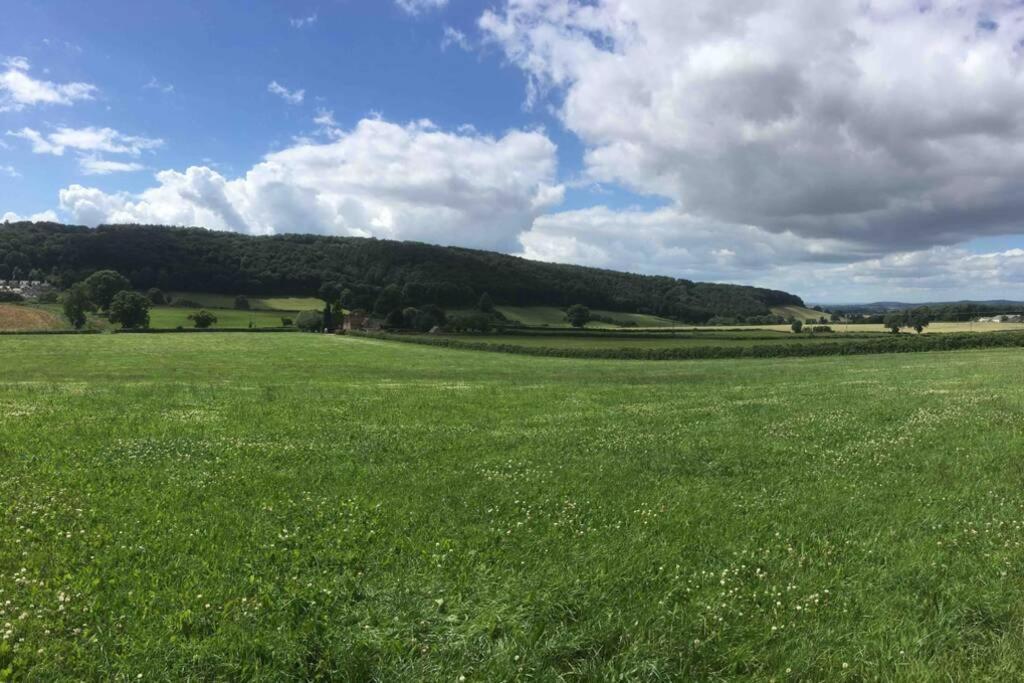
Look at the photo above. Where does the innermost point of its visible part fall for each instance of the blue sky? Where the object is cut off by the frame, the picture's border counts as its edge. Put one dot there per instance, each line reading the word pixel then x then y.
pixel 701 140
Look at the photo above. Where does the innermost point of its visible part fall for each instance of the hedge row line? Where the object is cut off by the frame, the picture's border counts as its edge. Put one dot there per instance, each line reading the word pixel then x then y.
pixel 889 344
pixel 13 332
pixel 211 330
pixel 676 334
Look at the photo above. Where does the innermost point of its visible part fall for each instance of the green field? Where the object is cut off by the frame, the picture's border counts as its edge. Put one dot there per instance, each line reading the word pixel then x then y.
pixel 296 507
pixel 168 316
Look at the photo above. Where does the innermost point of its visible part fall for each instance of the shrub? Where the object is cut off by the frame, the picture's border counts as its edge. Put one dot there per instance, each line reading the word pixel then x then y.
pixel 817 329
pixel 49 296
pixel 156 296
pixel 203 319
pixel 242 302
pixel 287 322
pixel 10 297
pixel 310 321
pixel 186 303
pixel 797 326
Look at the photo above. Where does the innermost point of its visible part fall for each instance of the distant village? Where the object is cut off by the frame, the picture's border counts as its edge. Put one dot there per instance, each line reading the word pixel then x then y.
pixel 27 289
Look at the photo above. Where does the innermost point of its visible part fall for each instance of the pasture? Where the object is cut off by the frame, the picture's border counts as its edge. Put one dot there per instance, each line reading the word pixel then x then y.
pixel 285 507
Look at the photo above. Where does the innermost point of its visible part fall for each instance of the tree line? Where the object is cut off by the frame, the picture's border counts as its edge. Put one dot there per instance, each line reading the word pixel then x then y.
pixel 199 260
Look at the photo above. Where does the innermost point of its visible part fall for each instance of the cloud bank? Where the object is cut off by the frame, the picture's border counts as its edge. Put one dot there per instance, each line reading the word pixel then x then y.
pixel 410 181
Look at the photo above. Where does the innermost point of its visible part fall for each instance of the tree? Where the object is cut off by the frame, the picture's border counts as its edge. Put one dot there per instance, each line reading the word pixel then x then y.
pixel 309 321
pixel 75 305
pixel 485 304
pixel 327 317
pixel 578 315
pixel 5 272
pixel 894 321
pixel 390 299
pixel 203 319
pixel 241 302
pixel 103 285
pixel 395 319
pixel 156 296
pixel 131 309
pixel 919 318
pixel 347 299
pixel 797 326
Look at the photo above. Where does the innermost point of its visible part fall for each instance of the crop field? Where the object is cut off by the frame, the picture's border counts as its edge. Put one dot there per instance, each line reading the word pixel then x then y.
pixel 279 303
pixel 555 317
pixel 20 317
pixel 623 341
pixel 181 508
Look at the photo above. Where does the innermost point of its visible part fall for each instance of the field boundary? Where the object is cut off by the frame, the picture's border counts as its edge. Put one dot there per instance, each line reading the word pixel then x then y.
pixel 892 344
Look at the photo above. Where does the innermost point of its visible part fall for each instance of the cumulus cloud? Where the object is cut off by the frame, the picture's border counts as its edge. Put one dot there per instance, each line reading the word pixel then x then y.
pixel 410 181
pixel 43 216
pixel 87 139
pixel 289 96
pixel 816 119
pixel 420 6
pixel 19 90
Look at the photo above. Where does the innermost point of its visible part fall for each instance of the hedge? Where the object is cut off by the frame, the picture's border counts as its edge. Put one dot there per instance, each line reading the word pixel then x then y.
pixel 12 332
pixel 191 330
pixel 887 344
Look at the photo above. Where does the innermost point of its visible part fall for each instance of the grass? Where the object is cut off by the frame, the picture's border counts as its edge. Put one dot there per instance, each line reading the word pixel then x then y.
pixel 279 303
pixel 799 312
pixel 555 317
pixel 168 316
pixel 280 507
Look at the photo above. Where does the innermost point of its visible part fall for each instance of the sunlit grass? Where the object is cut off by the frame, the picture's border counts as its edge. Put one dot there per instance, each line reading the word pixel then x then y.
pixel 292 507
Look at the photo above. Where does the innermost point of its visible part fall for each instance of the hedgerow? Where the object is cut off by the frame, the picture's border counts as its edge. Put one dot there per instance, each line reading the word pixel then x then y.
pixel 884 344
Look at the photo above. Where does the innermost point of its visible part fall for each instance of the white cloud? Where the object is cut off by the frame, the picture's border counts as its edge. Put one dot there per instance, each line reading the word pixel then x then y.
pixel 96 166
pixel 420 6
pixel 9 171
pixel 89 139
pixel 807 118
pixel 43 216
pixel 411 181
pixel 303 22
pixel 289 96
pixel 19 90
pixel 154 84
pixel 453 36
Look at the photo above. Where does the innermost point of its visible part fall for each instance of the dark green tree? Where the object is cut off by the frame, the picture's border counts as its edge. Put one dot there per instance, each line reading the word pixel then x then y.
pixel 203 319
pixel 76 304
pixel 130 309
pixel 390 299
pixel 894 321
pixel 578 315
pixel 241 302
pixel 485 304
pixel 5 272
pixel 347 299
pixel 156 296
pixel 103 285
pixel 797 326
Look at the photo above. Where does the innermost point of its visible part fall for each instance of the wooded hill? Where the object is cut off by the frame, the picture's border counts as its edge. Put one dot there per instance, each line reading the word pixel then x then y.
pixel 199 260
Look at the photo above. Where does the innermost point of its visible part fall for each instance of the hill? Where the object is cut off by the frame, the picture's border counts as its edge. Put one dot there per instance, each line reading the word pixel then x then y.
pixel 195 259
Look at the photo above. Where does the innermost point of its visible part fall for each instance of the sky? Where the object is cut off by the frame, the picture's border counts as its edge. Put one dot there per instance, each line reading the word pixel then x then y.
pixel 846 151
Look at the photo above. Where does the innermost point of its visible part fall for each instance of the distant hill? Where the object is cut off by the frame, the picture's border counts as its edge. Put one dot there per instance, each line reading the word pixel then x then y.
pixel 884 306
pixel 199 260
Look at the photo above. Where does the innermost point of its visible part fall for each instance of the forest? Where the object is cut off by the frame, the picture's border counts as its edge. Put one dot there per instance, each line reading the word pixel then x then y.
pixel 200 260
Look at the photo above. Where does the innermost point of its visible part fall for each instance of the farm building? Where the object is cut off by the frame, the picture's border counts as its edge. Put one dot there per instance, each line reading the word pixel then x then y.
pixel 359 320
pixel 1002 319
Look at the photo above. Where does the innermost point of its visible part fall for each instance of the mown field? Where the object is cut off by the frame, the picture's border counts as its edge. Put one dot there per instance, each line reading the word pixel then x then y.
pixel 296 507
pixel 623 341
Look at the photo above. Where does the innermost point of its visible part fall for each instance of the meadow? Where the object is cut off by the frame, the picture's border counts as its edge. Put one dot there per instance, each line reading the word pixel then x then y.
pixel 281 507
